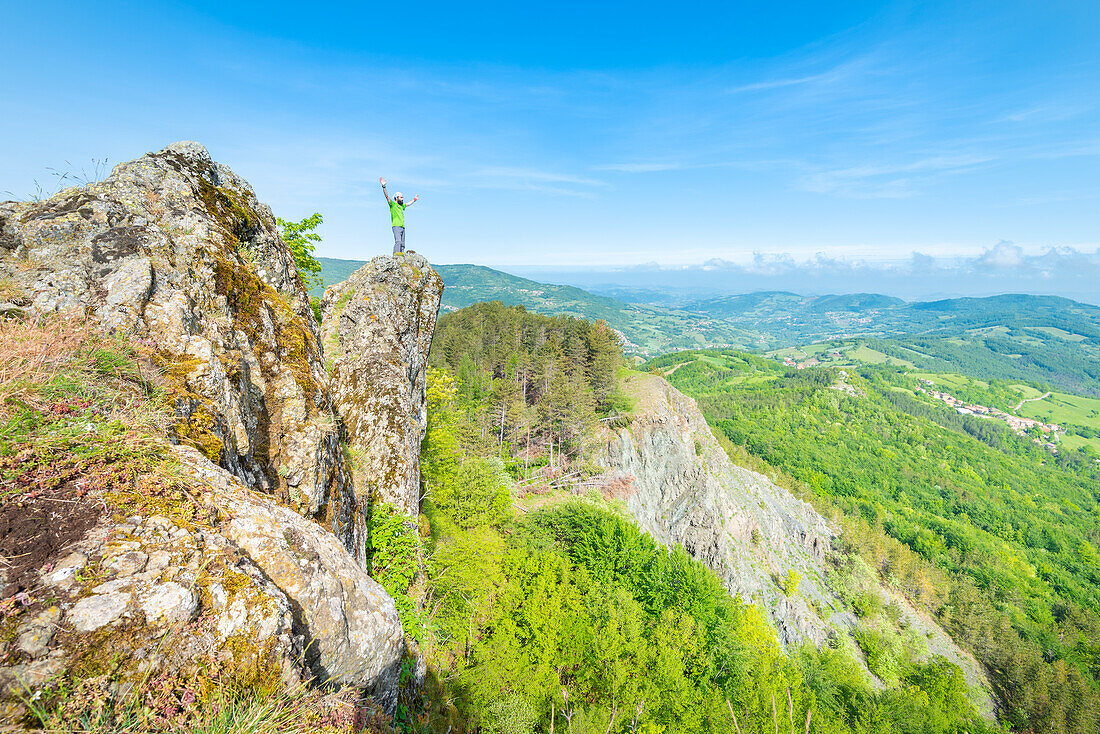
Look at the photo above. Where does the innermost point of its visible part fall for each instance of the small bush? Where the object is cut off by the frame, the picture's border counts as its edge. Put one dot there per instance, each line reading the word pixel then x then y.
pixel 300 239
pixel 394 553
pixel 867 604
pixel 510 715
pixel 479 494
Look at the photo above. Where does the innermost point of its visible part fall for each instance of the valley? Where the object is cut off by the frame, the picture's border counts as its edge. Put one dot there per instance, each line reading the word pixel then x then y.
pixel 1012 528
pixel 444 498
pixel 1034 339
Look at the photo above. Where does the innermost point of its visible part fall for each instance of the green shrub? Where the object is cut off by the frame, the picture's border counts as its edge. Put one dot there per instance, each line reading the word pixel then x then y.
pixel 867 604
pixel 479 494
pixel 394 553
pixel 300 239
pixel 510 715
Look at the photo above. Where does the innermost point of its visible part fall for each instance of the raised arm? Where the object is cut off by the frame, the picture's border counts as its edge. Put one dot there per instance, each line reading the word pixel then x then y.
pixel 413 200
pixel 384 193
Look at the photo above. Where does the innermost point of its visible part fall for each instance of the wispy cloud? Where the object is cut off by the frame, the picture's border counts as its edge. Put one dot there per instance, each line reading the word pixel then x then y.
pixel 1043 113
pixel 887 181
pixel 653 167
pixel 531 175
pixel 776 84
pixel 510 178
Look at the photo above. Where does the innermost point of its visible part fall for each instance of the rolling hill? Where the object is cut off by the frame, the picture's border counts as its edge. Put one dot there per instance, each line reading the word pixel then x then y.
pixel 647 330
pixel 1041 339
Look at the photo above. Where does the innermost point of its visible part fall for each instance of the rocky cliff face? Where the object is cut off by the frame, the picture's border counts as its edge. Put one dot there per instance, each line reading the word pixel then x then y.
pixel 378 327
pixel 174 251
pixel 749 531
pixel 754 534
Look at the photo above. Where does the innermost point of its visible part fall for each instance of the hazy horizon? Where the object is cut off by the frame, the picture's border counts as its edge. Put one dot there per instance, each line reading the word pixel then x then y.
pixel 999 270
pixel 1003 269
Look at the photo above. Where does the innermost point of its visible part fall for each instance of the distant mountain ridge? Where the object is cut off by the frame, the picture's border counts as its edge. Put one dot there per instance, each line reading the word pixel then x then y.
pixel 1039 338
pixel 647 330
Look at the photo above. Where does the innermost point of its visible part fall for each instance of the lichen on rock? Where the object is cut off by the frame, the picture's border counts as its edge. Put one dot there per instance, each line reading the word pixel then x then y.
pixel 133 598
pixel 175 249
pixel 378 327
pixel 352 634
pixel 226 556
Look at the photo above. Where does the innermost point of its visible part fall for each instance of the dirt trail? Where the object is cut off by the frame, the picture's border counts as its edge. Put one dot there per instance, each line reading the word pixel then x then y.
pixel 1044 396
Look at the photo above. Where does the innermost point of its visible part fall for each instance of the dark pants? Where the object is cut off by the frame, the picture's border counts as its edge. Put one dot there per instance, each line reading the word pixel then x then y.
pixel 398 240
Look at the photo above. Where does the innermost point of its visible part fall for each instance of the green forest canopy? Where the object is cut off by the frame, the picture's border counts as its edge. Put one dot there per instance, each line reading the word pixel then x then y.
pixel 572 618
pixel 1015 529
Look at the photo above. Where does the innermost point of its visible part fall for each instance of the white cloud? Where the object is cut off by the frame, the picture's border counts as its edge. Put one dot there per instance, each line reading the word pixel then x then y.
pixel 893 181
pixel 775 84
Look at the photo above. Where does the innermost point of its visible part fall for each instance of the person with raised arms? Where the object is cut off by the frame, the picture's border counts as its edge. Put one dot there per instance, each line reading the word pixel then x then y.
pixel 397 215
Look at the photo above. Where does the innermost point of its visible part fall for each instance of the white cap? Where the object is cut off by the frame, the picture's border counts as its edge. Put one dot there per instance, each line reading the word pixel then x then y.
pixel 399 194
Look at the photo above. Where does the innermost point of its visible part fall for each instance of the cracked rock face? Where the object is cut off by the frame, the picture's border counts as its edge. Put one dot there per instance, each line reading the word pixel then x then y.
pixel 176 250
pixel 352 633
pixel 378 327
pixel 745 528
pixel 260 589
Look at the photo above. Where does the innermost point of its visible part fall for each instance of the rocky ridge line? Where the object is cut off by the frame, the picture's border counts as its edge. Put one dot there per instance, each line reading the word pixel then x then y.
pixel 174 250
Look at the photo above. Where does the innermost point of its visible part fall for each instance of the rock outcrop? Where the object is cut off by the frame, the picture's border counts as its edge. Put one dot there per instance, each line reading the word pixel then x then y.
pixel 141 596
pixel 257 591
pixel 765 544
pixel 752 533
pixel 348 623
pixel 378 327
pixel 175 249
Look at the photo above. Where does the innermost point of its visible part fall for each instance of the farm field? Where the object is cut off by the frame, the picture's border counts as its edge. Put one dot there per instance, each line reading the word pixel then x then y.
pixel 1064 408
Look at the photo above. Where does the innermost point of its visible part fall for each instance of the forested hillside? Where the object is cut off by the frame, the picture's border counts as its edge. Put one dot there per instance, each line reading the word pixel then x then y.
pixel 528 385
pixel 1044 339
pixel 1009 530
pixel 647 330
pixel 539 607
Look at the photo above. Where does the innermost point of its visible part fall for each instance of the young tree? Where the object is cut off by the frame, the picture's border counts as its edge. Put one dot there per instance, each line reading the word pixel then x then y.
pixel 301 238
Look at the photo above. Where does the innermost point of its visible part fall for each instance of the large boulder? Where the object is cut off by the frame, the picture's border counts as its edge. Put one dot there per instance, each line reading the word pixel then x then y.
pixel 352 634
pixel 246 591
pixel 176 250
pixel 377 328
pixel 147 596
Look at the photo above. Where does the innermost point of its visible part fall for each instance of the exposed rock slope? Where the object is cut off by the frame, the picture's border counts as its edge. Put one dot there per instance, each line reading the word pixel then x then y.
pixel 176 249
pixel 754 534
pixel 748 530
pixel 378 327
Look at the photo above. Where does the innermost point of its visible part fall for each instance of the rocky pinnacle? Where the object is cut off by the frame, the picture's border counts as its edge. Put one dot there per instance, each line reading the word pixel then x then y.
pixel 377 330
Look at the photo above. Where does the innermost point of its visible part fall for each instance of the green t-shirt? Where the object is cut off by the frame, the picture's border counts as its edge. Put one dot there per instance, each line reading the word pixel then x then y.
pixel 397 214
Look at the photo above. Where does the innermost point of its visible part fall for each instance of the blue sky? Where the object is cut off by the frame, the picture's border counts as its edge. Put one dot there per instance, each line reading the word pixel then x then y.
pixel 593 135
